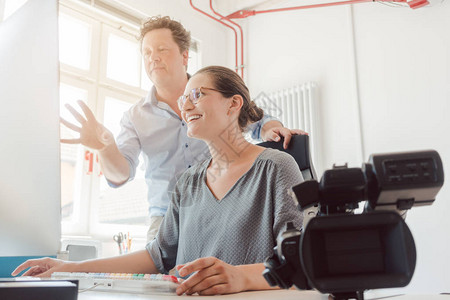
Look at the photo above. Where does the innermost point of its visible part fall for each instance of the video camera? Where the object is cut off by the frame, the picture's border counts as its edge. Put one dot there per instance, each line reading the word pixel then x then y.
pixel 343 253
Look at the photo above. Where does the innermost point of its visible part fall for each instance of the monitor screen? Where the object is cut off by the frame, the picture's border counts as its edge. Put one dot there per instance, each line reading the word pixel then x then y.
pixel 30 221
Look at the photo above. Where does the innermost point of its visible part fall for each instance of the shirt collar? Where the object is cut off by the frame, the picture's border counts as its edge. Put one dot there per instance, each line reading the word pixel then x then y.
pixel 151 96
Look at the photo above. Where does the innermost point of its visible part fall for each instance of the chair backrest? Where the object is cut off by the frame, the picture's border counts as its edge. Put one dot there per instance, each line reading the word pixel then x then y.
pixel 299 149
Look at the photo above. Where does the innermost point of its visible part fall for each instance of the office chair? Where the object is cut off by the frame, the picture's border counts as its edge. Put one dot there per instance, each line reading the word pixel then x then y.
pixel 299 149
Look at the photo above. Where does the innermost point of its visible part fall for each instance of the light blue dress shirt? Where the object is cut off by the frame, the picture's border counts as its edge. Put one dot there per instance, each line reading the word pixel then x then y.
pixel 153 128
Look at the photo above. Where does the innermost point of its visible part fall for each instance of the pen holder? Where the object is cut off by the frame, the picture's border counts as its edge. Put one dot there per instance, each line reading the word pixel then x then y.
pixel 123 242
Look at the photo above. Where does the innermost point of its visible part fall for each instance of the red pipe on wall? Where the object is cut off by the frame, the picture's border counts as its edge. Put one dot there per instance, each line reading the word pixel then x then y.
pixel 242 36
pixel 241 14
pixel 223 23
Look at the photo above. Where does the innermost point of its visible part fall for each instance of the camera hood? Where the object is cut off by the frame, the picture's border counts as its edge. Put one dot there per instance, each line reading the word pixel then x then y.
pixel 344 253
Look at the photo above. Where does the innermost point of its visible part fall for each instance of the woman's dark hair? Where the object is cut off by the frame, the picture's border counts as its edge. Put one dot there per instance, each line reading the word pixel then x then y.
pixel 229 83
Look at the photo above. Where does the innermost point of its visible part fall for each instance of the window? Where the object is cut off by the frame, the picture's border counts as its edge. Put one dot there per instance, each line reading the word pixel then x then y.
pixel 101 65
pixel 75 42
pixel 71 155
pixel 123 60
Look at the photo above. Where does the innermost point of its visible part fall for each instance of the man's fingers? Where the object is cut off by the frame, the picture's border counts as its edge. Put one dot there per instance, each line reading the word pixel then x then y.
pixel 287 139
pixel 70 141
pixel 76 114
pixel 274 136
pixel 299 132
pixel 277 133
pixel 288 133
pixel 70 125
pixel 87 112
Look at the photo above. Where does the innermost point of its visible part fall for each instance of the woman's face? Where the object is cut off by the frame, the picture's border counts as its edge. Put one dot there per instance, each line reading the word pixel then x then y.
pixel 208 117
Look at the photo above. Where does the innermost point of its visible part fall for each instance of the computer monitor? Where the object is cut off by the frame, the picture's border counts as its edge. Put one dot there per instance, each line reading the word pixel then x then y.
pixel 30 219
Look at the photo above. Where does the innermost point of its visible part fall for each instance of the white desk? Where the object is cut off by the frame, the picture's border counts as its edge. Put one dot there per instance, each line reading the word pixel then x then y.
pixel 260 295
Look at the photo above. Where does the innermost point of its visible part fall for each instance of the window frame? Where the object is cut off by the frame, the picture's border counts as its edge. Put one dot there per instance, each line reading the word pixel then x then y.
pixel 91 74
pixel 94 80
pixel 104 81
pixel 85 218
pixel 79 225
pixel 104 230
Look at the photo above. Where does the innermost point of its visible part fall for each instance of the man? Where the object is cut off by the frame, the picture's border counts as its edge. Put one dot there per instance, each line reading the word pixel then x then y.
pixel 154 124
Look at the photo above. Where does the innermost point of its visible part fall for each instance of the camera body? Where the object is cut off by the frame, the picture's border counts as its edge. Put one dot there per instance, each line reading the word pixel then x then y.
pixel 343 253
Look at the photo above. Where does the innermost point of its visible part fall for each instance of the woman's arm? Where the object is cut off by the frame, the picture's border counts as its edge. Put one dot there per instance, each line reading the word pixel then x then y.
pixel 136 262
pixel 214 277
pixel 254 278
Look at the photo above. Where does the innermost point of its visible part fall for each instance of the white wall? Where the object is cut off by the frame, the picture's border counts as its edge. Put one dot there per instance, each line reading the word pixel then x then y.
pixel 403 58
pixel 2 9
pixel 288 48
pixel 402 86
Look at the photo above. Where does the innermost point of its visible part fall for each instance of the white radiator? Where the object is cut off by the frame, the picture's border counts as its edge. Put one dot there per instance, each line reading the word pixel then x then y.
pixel 296 108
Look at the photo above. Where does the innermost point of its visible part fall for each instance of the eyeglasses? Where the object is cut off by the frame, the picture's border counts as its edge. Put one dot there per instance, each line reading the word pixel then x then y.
pixel 194 96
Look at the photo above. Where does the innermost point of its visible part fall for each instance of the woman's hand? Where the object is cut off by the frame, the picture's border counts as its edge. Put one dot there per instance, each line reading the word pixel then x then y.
pixel 42 267
pixel 212 277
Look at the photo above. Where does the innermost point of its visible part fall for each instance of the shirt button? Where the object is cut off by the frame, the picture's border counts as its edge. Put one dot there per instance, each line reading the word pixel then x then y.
pixel 189 166
pixel 182 124
pixel 186 145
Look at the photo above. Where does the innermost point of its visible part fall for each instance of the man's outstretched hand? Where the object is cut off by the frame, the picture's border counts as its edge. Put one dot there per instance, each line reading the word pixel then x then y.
pixel 92 133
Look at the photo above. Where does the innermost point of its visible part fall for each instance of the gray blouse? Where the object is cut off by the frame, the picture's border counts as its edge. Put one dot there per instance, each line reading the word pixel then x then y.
pixel 241 228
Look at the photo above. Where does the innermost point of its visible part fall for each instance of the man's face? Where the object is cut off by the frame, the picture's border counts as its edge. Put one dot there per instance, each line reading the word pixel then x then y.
pixel 162 58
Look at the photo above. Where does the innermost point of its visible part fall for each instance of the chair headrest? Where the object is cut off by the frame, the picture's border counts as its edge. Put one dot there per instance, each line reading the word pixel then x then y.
pixel 299 149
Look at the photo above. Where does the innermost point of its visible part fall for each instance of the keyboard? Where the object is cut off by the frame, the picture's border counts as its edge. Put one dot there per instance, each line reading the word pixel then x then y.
pixel 122 282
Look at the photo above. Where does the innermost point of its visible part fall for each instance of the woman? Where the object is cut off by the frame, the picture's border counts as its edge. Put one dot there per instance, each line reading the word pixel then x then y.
pixel 225 213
